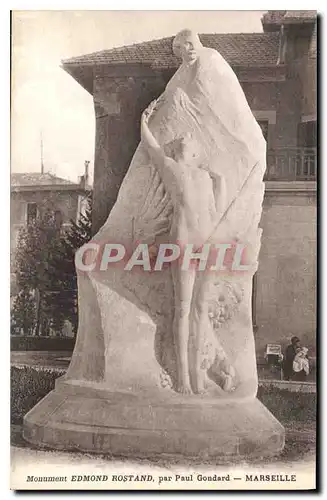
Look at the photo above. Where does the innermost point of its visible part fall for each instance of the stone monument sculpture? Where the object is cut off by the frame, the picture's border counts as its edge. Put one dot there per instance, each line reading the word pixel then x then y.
pixel 164 360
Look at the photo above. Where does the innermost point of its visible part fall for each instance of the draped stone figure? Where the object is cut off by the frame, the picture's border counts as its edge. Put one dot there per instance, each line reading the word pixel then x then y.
pixel 155 348
pixel 205 101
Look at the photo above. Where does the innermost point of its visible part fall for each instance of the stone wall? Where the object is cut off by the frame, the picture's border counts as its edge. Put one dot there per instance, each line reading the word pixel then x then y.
pixel 119 101
pixel 286 279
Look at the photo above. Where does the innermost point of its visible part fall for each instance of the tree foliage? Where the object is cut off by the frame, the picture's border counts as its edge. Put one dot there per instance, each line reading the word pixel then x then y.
pixel 62 276
pixel 45 273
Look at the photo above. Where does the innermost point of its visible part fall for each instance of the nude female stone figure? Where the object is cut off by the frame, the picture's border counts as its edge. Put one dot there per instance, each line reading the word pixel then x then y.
pixel 195 215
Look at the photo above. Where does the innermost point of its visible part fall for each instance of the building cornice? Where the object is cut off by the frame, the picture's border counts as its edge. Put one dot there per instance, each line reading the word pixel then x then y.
pixel 291 187
pixel 71 187
pixel 244 73
pixel 87 74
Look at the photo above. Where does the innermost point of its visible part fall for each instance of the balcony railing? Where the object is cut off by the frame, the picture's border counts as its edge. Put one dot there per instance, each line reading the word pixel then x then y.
pixel 291 164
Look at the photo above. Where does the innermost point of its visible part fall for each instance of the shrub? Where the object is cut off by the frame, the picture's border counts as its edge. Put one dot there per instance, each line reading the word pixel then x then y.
pixel 28 387
pixel 32 343
pixel 289 406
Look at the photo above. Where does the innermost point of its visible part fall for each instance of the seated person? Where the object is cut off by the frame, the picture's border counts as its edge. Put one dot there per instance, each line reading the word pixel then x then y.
pixel 301 365
pixel 289 358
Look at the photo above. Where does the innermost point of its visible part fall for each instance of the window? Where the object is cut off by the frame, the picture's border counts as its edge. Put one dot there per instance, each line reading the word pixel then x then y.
pixel 58 219
pixel 307 134
pixel 300 45
pixel 31 213
pixel 264 128
pixel 266 119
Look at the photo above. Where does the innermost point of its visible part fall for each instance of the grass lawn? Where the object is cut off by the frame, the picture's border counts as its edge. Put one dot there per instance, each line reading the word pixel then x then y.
pixel 295 410
pixel 29 386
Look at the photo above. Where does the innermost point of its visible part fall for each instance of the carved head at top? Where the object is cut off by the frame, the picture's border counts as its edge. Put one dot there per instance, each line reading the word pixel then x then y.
pixel 186 45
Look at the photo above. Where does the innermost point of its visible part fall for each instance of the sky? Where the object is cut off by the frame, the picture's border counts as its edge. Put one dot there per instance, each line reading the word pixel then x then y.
pixel 47 102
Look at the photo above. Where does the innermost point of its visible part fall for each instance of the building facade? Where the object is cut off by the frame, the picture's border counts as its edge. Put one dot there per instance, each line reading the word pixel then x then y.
pixel 32 194
pixel 277 71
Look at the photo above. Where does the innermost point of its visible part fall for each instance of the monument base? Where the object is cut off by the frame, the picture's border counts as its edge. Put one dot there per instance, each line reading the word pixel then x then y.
pixel 80 418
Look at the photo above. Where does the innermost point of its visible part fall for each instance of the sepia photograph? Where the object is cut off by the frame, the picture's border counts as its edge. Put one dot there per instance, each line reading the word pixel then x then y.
pixel 163 250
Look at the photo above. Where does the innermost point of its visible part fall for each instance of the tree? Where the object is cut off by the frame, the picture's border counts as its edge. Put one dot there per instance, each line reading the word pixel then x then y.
pixel 45 272
pixel 36 244
pixel 23 317
pixel 62 301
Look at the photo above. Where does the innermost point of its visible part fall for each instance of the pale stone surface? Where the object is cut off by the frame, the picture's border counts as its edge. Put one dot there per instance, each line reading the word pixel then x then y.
pixel 128 343
pixel 91 419
pixel 196 99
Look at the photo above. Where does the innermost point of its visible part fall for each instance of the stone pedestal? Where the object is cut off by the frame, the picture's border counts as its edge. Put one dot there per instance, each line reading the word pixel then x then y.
pixel 132 411
pixel 85 417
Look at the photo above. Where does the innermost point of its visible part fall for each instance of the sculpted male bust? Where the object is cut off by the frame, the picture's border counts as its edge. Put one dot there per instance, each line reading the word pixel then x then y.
pixel 195 180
